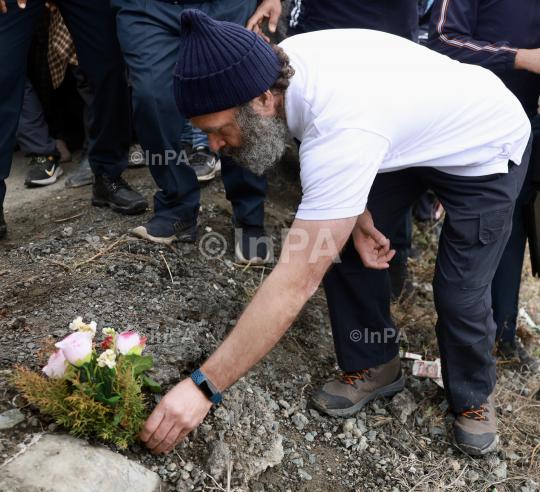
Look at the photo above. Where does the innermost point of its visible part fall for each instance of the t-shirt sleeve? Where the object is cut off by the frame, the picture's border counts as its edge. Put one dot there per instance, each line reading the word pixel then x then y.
pixel 337 170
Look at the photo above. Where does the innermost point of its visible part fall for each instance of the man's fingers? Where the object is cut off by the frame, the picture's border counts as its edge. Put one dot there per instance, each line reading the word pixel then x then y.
pixel 21 3
pixel 169 441
pixel 3 7
pixel 274 17
pixel 152 424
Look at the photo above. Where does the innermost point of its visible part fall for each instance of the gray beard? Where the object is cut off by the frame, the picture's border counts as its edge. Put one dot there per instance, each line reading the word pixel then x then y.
pixel 263 140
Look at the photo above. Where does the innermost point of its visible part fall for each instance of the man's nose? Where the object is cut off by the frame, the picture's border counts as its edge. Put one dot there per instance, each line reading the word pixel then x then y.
pixel 216 142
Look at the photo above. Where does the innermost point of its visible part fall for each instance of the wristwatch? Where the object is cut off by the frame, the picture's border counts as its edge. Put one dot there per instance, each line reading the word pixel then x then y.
pixel 210 391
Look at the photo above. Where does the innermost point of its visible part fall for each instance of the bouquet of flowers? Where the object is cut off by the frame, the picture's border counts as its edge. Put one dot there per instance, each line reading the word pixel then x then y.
pixel 94 394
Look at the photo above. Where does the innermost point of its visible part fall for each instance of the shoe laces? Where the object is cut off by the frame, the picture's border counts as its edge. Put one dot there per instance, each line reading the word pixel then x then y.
pixel 117 183
pixel 42 160
pixel 201 157
pixel 349 377
pixel 476 414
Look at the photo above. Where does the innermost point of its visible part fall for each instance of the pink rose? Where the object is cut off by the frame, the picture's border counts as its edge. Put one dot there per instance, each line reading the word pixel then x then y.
pixel 57 365
pixel 77 347
pixel 130 343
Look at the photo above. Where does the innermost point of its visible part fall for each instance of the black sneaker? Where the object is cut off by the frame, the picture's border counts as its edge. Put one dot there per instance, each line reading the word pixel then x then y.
pixel 165 231
pixel 118 195
pixel 508 350
pixel 205 163
pixel 3 226
pixel 45 172
pixel 251 245
pixel 400 283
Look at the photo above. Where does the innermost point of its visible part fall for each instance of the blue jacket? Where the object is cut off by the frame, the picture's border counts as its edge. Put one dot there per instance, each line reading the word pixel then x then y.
pixel 489 33
pixel 399 17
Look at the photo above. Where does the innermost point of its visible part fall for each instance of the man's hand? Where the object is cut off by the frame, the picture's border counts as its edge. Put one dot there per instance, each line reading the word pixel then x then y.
pixel 269 9
pixel 528 60
pixel 373 247
pixel 177 414
pixel 22 4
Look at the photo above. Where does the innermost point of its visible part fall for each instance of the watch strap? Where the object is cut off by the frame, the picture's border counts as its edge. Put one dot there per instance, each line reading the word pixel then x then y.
pixel 211 392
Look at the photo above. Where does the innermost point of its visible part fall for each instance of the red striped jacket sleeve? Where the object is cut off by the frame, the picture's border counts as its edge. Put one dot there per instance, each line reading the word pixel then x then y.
pixel 452 33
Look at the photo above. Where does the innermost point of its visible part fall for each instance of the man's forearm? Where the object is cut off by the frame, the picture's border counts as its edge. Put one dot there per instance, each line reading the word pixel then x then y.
pixel 268 316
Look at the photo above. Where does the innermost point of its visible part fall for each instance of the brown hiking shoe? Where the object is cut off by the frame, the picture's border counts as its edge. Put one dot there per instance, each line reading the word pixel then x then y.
pixel 475 431
pixel 345 396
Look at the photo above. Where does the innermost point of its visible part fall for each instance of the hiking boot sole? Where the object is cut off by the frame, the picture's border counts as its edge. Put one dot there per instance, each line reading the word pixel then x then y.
pixel 255 261
pixel 212 175
pixel 474 451
pixel 47 181
pixel 189 236
pixel 389 390
pixel 136 208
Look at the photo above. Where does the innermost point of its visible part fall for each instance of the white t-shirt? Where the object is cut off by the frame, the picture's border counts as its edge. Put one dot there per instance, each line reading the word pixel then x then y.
pixel 363 102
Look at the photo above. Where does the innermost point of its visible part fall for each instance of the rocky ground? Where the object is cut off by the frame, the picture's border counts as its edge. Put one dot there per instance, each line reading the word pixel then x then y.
pixel 64 258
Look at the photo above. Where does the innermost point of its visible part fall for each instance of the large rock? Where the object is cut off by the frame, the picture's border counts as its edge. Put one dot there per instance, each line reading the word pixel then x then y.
pixel 11 418
pixel 245 420
pixel 61 463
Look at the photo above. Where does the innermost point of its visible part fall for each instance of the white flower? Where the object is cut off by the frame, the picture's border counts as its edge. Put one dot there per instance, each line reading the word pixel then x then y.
pixel 107 358
pixel 108 331
pixel 76 324
pixel 79 325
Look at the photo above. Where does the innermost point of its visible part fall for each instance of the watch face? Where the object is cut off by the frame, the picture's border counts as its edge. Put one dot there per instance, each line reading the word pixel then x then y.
pixel 207 388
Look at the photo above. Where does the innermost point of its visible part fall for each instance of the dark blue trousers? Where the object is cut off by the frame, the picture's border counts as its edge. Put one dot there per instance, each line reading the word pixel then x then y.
pixel 149 33
pixel 92 25
pixel 507 280
pixel 33 132
pixel 476 227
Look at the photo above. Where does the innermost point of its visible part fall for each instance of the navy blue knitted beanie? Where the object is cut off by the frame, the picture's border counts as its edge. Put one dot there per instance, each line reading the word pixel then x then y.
pixel 220 65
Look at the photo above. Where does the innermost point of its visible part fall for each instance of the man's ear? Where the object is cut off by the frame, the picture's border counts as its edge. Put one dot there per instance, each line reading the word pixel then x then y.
pixel 265 103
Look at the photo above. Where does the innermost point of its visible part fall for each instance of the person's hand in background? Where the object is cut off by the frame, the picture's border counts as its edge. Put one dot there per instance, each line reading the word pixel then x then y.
pixel 268 10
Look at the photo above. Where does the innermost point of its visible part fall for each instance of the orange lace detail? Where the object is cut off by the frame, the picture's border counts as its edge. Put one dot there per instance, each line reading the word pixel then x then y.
pixel 475 414
pixel 348 378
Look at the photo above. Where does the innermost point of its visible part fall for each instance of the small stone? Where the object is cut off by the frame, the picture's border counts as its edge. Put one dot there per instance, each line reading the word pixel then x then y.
pixel 536 442
pixel 309 437
pixel 11 418
pixel 305 475
pixel 513 456
pixel 136 448
pixel 67 232
pixel 189 466
pixel 372 435
pixel 311 458
pixel 171 467
pixel 500 471
pixel 403 405
pixel 456 466
pixel 34 422
pixel 473 476
pixel 328 435
pixel 299 462
pixel 380 411
pixel 437 431
pixel 348 426
pixel 52 427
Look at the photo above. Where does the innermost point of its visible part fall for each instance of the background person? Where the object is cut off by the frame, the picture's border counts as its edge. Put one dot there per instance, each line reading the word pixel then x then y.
pixel 504 37
pixel 151 55
pixel 92 26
